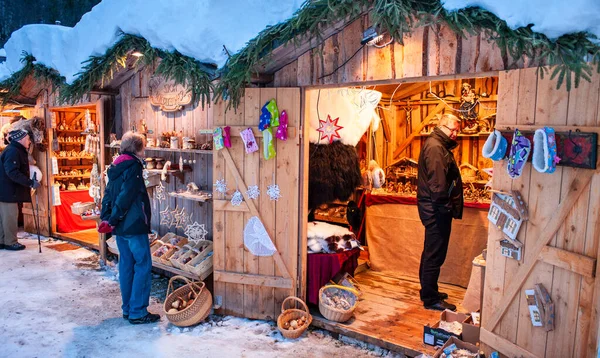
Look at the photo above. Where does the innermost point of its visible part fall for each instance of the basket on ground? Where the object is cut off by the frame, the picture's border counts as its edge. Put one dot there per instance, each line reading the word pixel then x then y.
pixel 195 311
pixel 328 295
pixel 290 314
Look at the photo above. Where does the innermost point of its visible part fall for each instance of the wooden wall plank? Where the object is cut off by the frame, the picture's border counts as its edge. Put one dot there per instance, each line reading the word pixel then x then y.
pixel 305 69
pixel 287 76
pixel 448 49
pixel 350 43
pixel 433 49
pixel 252 104
pixel 379 61
pixel 489 58
pixel 219 216
pixel 266 265
pixel 330 61
pixel 413 53
pixel 469 54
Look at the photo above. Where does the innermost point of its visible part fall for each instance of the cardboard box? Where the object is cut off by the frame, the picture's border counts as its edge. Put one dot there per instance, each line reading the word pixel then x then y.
pixel 459 344
pixel 470 333
pixel 435 336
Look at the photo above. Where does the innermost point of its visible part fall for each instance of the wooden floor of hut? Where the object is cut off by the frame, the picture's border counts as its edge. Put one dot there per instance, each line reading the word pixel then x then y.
pixel 87 237
pixel 390 313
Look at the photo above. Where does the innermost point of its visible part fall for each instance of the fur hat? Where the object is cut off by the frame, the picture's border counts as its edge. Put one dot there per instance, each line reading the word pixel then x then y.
pixel 17 135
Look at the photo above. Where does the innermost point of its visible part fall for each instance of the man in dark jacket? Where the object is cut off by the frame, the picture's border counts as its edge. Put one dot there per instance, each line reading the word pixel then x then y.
pixel 439 199
pixel 16 187
pixel 126 213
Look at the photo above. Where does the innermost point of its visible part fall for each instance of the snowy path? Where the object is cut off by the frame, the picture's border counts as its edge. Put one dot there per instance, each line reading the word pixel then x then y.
pixel 57 304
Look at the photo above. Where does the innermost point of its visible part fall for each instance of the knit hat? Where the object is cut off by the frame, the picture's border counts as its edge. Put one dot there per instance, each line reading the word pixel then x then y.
pixel 17 134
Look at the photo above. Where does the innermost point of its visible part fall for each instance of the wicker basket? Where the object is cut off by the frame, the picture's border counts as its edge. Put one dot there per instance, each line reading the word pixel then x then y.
pixel 335 314
pixel 291 314
pixel 196 311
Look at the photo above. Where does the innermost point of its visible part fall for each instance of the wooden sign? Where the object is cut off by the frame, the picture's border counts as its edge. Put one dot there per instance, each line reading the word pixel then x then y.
pixel 168 95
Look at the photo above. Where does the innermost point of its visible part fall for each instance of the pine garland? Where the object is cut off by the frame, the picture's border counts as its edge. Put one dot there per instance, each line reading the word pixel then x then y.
pixel 574 55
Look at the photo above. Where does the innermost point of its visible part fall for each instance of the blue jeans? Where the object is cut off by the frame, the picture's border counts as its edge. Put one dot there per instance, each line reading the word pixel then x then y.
pixel 135 279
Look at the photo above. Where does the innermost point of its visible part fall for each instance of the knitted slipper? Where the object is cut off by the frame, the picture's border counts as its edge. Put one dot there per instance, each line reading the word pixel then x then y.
pixel 272 107
pixel 544 150
pixel 281 132
pixel 268 147
pixel 218 138
pixel 519 152
pixel 265 118
pixel 495 146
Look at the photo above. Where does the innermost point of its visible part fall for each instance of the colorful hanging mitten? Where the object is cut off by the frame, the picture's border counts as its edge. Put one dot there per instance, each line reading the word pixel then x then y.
pixel 519 152
pixel 544 150
pixel 281 132
pixel 272 107
pixel 218 138
pixel 268 147
pixel 265 118
pixel 227 136
pixel 249 140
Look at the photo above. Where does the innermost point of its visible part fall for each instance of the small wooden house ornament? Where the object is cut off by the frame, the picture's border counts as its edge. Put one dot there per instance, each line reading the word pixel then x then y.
pixel 507 213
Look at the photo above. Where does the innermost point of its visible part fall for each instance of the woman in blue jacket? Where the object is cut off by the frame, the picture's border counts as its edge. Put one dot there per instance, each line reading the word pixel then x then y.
pixel 126 213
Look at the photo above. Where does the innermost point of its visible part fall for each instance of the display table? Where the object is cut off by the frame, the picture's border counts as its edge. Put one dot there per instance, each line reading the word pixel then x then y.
pixel 66 221
pixel 395 238
pixel 321 268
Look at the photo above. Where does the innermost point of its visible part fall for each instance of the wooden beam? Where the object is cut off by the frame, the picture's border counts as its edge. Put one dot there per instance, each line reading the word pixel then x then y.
pixel 256 280
pixel 545 231
pixel 410 90
pixel 235 131
pixel 240 181
pixel 556 128
pixel 503 346
pixel 580 264
pixel 261 78
pixel 418 130
pixel 225 205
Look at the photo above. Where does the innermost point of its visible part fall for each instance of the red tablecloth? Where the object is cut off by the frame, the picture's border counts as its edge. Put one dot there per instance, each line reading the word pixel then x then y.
pixel 66 221
pixel 322 267
pixel 373 199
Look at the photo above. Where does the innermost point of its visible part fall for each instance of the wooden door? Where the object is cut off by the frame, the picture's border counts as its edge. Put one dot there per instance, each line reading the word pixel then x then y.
pixel 561 238
pixel 247 285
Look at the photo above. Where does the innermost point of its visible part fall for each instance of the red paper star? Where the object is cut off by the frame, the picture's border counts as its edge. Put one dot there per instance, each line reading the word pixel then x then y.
pixel 329 129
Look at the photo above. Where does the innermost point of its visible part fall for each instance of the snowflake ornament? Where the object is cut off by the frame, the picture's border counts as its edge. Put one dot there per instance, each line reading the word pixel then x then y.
pixel 253 192
pixel 181 219
pixel 221 186
pixel 166 217
pixel 237 198
pixel 195 232
pixel 273 192
pixel 329 129
pixel 159 192
pixel 174 214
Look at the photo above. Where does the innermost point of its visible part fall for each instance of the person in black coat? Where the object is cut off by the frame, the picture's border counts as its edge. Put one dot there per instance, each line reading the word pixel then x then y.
pixel 439 200
pixel 126 213
pixel 16 187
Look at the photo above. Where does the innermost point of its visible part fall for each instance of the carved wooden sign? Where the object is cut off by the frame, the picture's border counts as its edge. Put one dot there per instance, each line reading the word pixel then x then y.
pixel 168 95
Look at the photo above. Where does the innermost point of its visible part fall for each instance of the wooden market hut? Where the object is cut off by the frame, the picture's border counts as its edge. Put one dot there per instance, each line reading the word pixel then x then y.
pixel 560 239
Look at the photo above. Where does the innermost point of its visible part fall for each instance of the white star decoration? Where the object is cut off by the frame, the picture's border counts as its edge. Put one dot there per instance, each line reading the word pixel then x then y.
pixel 221 186
pixel 237 198
pixel 159 192
pixel 166 217
pixel 195 232
pixel 273 192
pixel 253 192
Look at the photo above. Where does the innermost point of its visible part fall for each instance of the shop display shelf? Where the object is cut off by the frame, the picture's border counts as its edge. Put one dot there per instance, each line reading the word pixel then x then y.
pixel 69 130
pixel 75 158
pixel 84 176
pixel 158 149
pixel 193 197
pixel 332 219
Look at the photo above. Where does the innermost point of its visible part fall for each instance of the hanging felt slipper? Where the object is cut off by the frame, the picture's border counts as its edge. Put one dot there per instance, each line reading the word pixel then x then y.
pixel 227 136
pixel 249 140
pixel 495 146
pixel 265 118
pixel 218 138
pixel 544 150
pixel 519 152
pixel 268 147
pixel 272 107
pixel 281 132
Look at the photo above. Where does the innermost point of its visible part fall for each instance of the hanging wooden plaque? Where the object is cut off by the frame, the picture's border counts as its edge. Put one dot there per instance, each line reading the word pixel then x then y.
pixel 168 95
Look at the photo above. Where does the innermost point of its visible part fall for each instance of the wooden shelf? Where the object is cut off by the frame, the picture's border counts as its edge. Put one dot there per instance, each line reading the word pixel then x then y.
pixel 169 171
pixel 172 269
pixel 70 130
pixel 156 149
pixel 188 196
pixel 70 143
pixel 482 134
pixel 74 158
pixel 85 176
pixel 331 219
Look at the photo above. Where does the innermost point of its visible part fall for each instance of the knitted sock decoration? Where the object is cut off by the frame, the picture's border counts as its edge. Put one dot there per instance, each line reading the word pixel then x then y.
pixel 218 138
pixel 265 118
pixel 281 132
pixel 274 111
pixel 519 152
pixel 268 146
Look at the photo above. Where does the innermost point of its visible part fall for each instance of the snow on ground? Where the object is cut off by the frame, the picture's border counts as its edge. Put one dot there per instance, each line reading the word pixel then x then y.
pixel 197 28
pixel 61 304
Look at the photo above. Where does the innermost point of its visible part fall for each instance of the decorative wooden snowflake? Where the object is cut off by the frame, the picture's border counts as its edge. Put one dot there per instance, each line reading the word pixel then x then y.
pixel 329 129
pixel 181 219
pixel 237 198
pixel 273 192
pixel 253 192
pixel 159 192
pixel 174 215
pixel 221 186
pixel 166 217
pixel 195 232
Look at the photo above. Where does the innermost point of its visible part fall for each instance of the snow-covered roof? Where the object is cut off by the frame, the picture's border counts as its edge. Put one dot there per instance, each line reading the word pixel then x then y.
pixel 196 28
pixel 202 28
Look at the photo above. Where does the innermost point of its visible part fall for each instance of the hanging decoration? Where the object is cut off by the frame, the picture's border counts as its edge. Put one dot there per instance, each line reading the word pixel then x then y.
pixel 166 217
pixel 181 219
pixel 256 238
pixel 227 136
pixel 237 198
pixel 264 121
pixel 159 192
pixel 174 215
pixel 218 142
pixel 249 140
pixel 268 145
pixel 221 186
pixel 274 112
pixel 195 232
pixel 253 192
pixel 329 129
pixel 273 190
pixel 281 132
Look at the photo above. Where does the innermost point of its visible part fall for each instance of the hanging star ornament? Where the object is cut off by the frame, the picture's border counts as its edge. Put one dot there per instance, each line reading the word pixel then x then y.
pixel 273 192
pixel 253 192
pixel 329 129
pixel 221 186
pixel 195 232
pixel 165 217
pixel 237 198
pixel 181 219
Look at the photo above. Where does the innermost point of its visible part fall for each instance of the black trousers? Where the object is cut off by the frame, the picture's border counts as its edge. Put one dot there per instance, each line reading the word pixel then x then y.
pixel 437 237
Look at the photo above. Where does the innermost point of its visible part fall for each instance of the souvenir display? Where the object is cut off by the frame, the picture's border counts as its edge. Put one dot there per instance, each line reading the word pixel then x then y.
pixel 544 157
